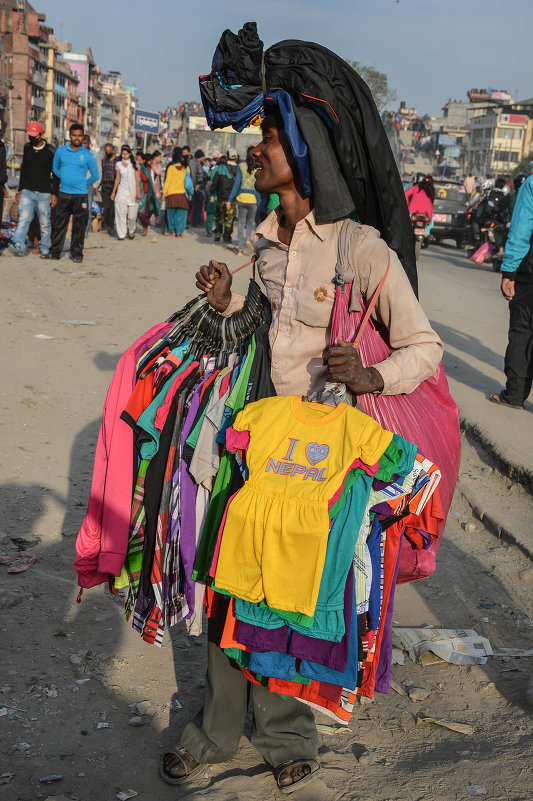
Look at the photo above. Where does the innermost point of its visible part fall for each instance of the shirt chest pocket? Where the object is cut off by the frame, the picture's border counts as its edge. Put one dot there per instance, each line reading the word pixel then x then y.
pixel 314 300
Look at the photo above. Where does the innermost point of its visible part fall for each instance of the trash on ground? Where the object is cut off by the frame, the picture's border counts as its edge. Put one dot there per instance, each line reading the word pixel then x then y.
pixel 42 336
pixel 146 708
pixel 174 705
pixel 418 693
pixel 123 795
pixel 102 724
pixel 461 728
pixel 428 645
pixel 367 757
pixel 153 239
pixel 5 778
pixel 324 728
pixel 81 681
pixel 55 777
pixel 18 562
pixel 398 657
pixel 3 711
pixel 136 720
pixel 78 322
pixel 513 652
pixel 397 688
pixel 475 789
pixel 486 605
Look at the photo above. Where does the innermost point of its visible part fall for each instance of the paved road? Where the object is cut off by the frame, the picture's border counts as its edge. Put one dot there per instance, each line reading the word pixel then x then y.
pixel 465 306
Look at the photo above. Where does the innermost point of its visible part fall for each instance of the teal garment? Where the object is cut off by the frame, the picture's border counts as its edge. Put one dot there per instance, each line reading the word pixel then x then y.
pixel 146 421
pixel 221 490
pixel 328 621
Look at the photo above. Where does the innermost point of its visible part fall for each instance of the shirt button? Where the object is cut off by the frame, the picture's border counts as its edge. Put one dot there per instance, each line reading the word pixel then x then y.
pixel 293 253
pixel 275 365
pixel 284 328
pixel 289 289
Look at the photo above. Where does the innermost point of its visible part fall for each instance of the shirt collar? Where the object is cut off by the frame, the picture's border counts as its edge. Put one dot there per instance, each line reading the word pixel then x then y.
pixel 269 227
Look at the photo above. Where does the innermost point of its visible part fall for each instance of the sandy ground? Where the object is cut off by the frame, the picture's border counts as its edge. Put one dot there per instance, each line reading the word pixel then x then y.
pixel 51 404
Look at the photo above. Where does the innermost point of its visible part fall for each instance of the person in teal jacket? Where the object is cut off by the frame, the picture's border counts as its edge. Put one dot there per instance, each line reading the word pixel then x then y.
pixel 517 289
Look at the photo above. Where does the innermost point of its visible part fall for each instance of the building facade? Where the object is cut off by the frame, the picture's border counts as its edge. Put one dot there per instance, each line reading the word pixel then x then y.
pixel 497 142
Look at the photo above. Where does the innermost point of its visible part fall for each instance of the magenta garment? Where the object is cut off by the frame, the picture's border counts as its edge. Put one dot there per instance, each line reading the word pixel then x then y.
pixel 102 541
pixel 418 202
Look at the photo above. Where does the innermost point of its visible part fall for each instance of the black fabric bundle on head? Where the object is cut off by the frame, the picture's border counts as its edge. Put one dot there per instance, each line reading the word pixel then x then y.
pixel 351 163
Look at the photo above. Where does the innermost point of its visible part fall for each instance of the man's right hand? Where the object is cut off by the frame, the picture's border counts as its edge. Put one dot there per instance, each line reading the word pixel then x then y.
pixel 507 288
pixel 215 281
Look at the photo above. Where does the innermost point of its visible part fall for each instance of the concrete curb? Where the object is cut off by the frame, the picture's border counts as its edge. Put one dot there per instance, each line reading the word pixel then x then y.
pixel 518 473
pixel 491 521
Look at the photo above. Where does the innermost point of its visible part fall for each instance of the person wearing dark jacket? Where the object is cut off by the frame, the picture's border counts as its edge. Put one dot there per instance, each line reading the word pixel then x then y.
pixel 37 192
pixel 221 186
pixel 517 289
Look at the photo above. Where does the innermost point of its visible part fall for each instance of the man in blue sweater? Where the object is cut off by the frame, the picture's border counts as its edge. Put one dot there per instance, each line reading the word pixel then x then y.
pixel 517 288
pixel 71 164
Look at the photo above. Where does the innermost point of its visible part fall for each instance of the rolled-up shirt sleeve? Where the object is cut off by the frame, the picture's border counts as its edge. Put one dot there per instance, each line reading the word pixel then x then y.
pixel 417 347
pixel 236 303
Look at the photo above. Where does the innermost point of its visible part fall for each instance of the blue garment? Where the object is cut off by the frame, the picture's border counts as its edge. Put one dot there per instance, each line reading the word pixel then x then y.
pixel 177 220
pixel 374 546
pixel 237 186
pixel 31 202
pixel 71 167
pixel 296 141
pixel 346 678
pixel 521 230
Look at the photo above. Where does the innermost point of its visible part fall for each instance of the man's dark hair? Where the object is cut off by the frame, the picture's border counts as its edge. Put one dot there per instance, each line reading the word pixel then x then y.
pixel 109 144
pixel 272 119
pixel 76 126
pixel 186 147
pixel 156 153
pixel 499 183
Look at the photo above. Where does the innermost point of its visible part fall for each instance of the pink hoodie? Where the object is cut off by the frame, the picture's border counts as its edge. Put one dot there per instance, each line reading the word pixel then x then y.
pixel 102 541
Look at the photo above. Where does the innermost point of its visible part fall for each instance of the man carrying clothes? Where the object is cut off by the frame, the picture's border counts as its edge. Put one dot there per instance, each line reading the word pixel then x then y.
pixel 37 192
pixel 109 171
pixel 71 164
pixel 297 249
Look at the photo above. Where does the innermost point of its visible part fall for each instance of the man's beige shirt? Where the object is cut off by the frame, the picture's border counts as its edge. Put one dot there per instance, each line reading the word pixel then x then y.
pixel 298 281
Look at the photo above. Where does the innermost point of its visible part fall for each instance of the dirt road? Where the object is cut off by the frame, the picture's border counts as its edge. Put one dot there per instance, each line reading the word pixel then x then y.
pixel 67 667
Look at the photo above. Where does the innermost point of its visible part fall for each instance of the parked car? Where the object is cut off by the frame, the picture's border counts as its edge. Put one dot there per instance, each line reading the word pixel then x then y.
pixel 449 211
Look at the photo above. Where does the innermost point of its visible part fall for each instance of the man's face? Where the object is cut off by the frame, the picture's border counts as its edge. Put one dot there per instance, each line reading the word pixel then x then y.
pixel 186 153
pixel 36 139
pixel 274 159
pixel 76 138
pixel 109 152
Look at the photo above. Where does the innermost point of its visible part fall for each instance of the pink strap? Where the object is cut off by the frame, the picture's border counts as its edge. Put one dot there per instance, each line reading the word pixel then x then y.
pixel 370 308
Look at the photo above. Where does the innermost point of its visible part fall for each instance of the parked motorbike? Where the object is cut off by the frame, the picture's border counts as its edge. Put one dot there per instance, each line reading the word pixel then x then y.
pixel 420 222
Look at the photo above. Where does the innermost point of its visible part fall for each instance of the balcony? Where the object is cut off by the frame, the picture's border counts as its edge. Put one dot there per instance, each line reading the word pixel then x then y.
pixel 39 79
pixel 38 102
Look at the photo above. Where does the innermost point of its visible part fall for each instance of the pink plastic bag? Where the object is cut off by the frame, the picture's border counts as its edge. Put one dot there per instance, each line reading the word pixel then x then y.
pixel 428 417
pixel 483 253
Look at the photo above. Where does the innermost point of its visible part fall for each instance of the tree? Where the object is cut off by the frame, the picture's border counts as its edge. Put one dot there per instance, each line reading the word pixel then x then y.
pixel 525 165
pixel 378 83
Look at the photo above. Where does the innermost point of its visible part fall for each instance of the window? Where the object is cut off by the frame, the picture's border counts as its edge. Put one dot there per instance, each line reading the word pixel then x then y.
pixel 518 134
pixel 506 133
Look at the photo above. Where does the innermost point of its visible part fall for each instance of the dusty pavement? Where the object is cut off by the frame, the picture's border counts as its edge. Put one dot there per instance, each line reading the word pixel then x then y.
pixel 51 403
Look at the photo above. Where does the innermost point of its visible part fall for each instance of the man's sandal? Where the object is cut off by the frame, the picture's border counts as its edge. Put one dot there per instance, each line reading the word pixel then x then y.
pixel 284 771
pixel 180 757
pixel 502 402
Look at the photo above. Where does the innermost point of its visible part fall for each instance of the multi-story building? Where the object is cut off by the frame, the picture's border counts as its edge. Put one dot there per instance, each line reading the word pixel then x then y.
pixel 125 100
pixel 498 141
pixel 88 74
pixel 22 77
pixel 61 91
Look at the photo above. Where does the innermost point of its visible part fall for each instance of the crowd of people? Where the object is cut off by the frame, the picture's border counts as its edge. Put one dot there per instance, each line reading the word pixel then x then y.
pixel 127 191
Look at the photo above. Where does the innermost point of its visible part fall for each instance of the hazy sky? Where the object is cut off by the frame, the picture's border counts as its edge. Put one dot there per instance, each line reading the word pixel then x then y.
pixel 431 50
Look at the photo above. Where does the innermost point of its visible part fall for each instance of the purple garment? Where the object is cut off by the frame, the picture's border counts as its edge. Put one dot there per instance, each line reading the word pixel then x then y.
pixel 183 517
pixel 333 655
pixel 385 655
pixel 263 640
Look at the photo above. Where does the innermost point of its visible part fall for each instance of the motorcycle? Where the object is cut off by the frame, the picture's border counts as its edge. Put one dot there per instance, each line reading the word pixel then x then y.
pixel 420 222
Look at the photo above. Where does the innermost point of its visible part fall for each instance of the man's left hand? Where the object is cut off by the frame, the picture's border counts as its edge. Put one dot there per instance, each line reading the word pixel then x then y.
pixel 345 367
pixel 53 201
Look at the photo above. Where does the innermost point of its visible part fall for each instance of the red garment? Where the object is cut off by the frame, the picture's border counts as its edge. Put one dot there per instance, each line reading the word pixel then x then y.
pixel 102 542
pixel 418 202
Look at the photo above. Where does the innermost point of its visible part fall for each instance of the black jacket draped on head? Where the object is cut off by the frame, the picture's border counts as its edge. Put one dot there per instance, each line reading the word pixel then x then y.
pixel 351 164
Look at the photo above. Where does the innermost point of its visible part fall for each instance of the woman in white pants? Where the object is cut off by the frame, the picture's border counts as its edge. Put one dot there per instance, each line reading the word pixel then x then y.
pixel 126 193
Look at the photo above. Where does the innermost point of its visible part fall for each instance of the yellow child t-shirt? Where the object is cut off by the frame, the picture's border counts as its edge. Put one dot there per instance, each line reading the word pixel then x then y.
pixel 276 528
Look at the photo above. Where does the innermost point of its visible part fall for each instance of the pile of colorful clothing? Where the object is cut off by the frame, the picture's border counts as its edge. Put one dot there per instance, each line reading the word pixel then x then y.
pixel 282 516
